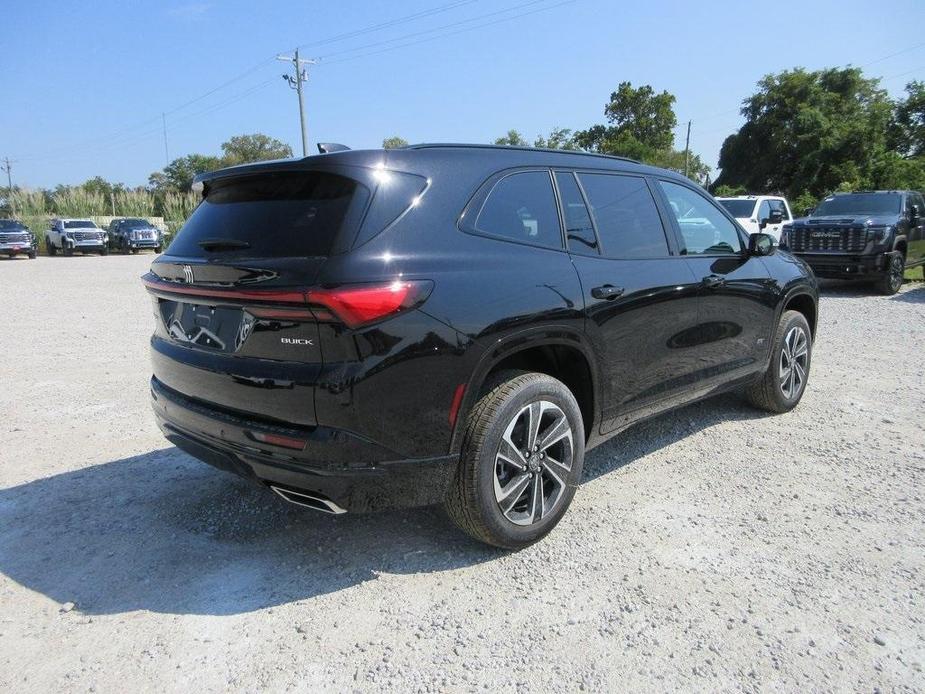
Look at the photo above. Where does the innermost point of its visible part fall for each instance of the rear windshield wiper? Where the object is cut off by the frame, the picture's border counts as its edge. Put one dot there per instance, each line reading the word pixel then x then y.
pixel 222 244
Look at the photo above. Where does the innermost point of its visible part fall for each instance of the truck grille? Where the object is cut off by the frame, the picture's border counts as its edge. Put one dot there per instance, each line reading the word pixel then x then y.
pixel 14 238
pixel 87 236
pixel 828 239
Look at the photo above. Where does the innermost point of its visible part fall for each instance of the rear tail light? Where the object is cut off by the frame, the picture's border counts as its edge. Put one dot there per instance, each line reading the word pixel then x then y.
pixel 356 305
pixel 277 440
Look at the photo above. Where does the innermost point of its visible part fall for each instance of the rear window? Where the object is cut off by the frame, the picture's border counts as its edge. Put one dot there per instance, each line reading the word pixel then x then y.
pixel 289 214
pixel 739 208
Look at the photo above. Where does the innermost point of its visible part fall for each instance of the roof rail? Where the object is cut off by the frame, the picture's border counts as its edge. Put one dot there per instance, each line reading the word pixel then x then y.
pixel 460 145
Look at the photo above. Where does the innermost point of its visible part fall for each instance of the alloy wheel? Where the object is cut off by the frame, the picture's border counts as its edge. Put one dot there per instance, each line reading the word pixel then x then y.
pixel 794 355
pixel 533 462
pixel 897 268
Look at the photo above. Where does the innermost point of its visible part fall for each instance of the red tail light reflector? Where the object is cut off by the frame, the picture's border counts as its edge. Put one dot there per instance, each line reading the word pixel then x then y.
pixel 277 440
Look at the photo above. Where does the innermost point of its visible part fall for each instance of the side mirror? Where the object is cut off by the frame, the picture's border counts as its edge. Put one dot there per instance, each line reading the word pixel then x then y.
pixel 760 244
pixel 762 224
pixel 776 217
pixel 914 212
pixel 808 211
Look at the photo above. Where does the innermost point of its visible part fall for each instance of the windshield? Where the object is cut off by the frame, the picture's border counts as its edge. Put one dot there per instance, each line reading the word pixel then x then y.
pixel 80 224
pixel 739 208
pixel 136 223
pixel 860 203
pixel 11 225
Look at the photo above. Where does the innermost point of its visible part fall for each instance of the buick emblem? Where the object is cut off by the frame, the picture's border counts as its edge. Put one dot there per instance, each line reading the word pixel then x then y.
pixel 188 274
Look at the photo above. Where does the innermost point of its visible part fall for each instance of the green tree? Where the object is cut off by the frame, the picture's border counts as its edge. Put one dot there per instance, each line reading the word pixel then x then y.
pixel 394 142
pixel 640 123
pixel 243 149
pixel 178 174
pixel 725 191
pixel 559 138
pixel 809 132
pixel 512 139
pixel 909 121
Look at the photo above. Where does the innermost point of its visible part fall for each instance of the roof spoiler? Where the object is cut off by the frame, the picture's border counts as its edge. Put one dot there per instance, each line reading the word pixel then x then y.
pixel 325 147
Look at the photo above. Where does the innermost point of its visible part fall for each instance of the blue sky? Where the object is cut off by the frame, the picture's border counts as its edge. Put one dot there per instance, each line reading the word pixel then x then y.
pixel 84 84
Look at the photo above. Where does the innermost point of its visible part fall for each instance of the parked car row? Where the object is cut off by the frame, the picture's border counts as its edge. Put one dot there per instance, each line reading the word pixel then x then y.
pixel 871 235
pixel 67 236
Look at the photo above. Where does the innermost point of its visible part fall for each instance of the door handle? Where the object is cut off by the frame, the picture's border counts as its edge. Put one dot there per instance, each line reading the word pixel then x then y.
pixel 608 292
pixel 713 281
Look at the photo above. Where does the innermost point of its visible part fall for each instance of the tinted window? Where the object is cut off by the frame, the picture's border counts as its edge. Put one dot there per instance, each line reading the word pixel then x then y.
pixel 779 206
pixel 764 210
pixel 521 207
pixel 11 224
pixel 704 229
pixel 80 224
pixel 276 215
pixel 860 203
pixel 579 232
pixel 739 208
pixel 626 217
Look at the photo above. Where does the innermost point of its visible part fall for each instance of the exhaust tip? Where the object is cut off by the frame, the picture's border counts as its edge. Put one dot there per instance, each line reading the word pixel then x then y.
pixel 312 501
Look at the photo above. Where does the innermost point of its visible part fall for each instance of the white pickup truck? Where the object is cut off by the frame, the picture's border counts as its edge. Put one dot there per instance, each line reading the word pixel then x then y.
pixel 759 213
pixel 69 235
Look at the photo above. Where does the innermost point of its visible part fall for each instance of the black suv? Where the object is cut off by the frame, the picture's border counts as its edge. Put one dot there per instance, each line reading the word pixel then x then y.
pixel 873 235
pixel 458 324
pixel 16 238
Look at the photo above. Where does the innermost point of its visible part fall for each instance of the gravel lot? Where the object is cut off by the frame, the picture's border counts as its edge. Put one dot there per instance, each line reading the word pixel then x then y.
pixel 712 548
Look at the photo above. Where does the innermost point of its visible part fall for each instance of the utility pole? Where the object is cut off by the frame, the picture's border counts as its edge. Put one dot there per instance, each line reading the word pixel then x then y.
pixel 166 153
pixel 301 76
pixel 8 167
pixel 687 149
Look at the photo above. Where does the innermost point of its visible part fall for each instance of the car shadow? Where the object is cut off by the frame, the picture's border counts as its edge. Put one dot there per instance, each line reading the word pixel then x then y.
pixel 165 533
pixel 915 295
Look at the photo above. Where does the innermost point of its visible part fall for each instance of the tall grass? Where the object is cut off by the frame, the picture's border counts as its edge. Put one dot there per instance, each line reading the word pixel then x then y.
pixel 134 203
pixel 178 207
pixel 77 202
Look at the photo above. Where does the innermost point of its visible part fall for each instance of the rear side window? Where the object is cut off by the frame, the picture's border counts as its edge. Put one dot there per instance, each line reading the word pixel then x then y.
pixel 579 231
pixel 626 217
pixel 522 207
pixel 289 214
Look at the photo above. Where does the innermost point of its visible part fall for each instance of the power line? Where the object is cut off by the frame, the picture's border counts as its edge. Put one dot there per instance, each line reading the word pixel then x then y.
pixel 433 29
pixel 453 33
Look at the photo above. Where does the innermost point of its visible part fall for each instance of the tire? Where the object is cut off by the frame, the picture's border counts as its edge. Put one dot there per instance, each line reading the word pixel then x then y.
pixel 892 279
pixel 104 250
pixel 778 390
pixel 541 487
pixel 158 249
pixel 32 255
pixel 50 247
pixel 134 251
pixel 67 251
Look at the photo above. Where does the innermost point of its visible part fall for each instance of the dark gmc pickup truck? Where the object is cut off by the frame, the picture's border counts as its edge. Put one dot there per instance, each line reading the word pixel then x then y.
pixel 872 235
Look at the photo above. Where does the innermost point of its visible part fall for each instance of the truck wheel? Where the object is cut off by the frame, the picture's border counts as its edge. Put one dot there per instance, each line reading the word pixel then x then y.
pixel 31 255
pixel 158 249
pixel 784 383
pixel 50 247
pixel 892 280
pixel 68 250
pixel 521 461
pixel 104 250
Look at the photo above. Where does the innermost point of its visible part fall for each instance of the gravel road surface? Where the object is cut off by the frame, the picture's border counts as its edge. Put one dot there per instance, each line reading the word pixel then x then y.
pixel 714 548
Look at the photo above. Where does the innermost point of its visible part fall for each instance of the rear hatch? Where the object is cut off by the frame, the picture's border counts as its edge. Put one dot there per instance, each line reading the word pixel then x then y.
pixel 234 327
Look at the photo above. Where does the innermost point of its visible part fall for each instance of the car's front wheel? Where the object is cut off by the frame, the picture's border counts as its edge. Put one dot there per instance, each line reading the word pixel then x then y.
pixel 892 280
pixel 521 461
pixel 783 384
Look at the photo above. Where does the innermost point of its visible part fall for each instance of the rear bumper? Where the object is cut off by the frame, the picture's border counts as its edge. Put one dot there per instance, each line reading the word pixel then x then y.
pixel 354 473
pixel 845 266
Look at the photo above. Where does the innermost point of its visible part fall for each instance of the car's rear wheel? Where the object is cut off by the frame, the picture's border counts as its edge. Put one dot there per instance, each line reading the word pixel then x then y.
pixel 892 280
pixel 521 461
pixel 783 384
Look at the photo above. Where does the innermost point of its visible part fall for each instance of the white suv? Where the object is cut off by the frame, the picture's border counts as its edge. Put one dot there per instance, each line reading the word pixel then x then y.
pixel 69 235
pixel 759 213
